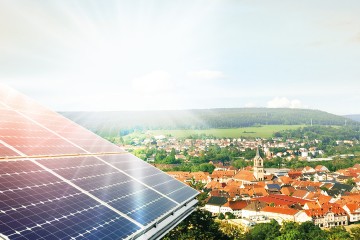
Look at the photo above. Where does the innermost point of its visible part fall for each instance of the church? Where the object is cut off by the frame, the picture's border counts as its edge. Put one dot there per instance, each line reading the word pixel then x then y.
pixel 248 177
pixel 258 166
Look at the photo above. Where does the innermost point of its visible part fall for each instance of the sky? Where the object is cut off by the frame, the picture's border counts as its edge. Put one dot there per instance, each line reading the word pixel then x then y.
pixel 183 54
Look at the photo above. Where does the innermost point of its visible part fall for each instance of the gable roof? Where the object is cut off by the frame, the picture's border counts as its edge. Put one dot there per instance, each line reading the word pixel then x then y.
pixel 353 207
pixel 324 209
pixel 236 205
pixel 216 201
pixel 287 190
pixel 281 200
pixel 300 193
pixel 273 186
pixel 286 211
pixel 245 175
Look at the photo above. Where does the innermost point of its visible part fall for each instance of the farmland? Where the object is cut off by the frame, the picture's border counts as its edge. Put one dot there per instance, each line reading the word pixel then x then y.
pixel 248 132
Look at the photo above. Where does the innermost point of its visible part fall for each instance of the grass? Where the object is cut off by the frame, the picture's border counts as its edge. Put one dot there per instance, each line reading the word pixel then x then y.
pixel 252 132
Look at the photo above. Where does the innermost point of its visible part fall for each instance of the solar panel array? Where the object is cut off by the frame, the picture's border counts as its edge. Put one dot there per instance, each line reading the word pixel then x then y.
pixel 60 181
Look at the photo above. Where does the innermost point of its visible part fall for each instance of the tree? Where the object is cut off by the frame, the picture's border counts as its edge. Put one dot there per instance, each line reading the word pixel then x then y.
pixel 199 225
pixel 265 231
pixel 310 231
pixel 351 182
pixel 232 231
pixel 221 216
pixel 355 232
pixel 229 215
pixel 338 233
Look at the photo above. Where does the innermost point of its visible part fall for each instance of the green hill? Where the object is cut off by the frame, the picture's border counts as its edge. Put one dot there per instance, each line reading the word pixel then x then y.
pixel 111 123
pixel 355 117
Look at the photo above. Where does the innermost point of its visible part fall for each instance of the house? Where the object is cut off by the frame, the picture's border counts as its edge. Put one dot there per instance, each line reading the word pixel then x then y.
pixel 214 185
pixel 320 176
pixel 234 207
pixel 285 180
pixel 294 174
pixel 203 177
pixel 245 177
pixel 353 210
pixel 214 204
pixel 340 189
pixel 308 169
pixel 329 215
pixel 300 193
pixel 273 188
pixel 321 168
pixel 282 200
pixel 222 175
pixel 253 209
pixel 287 190
pixel 285 214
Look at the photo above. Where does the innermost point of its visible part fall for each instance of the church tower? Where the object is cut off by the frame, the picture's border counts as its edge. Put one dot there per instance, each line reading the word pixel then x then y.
pixel 258 166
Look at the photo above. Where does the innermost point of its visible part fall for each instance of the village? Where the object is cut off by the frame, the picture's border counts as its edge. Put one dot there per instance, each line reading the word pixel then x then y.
pixel 303 149
pixel 256 194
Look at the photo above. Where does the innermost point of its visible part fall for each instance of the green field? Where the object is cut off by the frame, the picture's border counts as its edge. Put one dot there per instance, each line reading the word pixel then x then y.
pixel 262 131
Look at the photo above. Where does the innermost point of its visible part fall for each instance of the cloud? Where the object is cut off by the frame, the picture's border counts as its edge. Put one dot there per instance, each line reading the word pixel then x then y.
pixel 153 83
pixel 206 74
pixel 283 102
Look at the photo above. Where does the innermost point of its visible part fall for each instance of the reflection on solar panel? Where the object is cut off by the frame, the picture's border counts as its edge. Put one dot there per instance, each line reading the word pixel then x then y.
pixel 60 181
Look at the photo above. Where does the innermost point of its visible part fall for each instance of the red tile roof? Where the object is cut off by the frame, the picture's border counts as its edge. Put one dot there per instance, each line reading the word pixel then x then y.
pixel 236 205
pixel 320 212
pixel 353 207
pixel 287 211
pixel 281 200
pixel 245 175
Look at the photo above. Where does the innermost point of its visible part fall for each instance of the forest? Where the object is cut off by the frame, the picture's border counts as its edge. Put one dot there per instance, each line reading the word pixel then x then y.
pixel 125 122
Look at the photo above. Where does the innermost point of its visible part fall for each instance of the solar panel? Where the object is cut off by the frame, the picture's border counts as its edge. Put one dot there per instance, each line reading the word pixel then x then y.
pixel 61 181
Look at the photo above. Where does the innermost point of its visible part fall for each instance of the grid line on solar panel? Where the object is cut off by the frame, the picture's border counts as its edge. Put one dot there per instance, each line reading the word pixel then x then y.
pixel 40 203
pixel 36 150
pixel 151 180
pixel 111 195
pixel 55 219
pixel 152 175
pixel 90 218
pixel 118 161
pixel 109 186
pixel 137 180
pixel 100 225
pixel 93 176
pixel 30 187
pixel 162 183
pixel 123 196
pixel 147 204
pixel 87 193
pixel 107 173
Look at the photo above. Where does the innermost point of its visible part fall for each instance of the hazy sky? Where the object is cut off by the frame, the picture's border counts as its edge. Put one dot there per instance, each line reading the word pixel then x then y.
pixel 182 54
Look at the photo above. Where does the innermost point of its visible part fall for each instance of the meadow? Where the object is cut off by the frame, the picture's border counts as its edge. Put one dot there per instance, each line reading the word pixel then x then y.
pixel 265 131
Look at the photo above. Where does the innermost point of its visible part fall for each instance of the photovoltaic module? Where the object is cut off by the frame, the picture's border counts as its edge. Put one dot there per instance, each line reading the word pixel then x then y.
pixel 61 181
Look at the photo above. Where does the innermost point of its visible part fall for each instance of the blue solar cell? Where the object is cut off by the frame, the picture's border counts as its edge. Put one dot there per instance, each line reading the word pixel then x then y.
pixel 93 197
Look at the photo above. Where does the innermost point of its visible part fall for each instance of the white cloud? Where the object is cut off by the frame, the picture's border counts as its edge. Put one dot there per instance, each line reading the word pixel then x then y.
pixel 206 74
pixel 283 102
pixel 152 83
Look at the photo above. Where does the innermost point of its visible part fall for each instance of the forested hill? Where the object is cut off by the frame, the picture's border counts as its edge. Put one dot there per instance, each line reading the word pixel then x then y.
pixel 201 119
pixel 355 117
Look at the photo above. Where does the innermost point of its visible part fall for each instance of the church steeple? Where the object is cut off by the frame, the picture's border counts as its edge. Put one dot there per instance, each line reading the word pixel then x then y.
pixel 258 166
pixel 257 152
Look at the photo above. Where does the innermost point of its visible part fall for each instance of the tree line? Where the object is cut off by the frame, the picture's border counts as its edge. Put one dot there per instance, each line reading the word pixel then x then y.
pixel 125 122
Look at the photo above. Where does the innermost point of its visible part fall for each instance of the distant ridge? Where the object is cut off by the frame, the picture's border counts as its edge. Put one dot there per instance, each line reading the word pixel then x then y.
pixel 355 117
pixel 114 122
